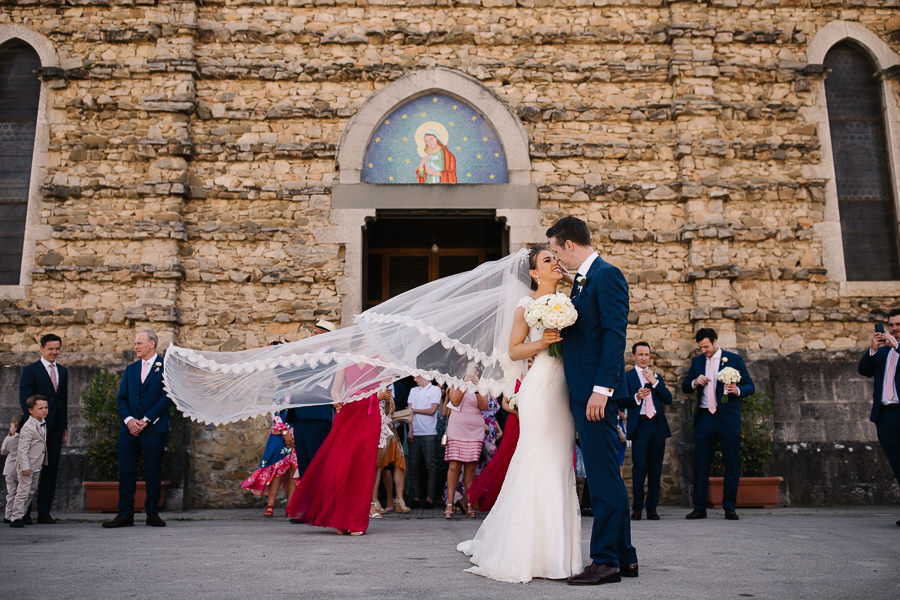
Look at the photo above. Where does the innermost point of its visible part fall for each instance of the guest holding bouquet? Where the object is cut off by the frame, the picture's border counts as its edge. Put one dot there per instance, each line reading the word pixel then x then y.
pixel 276 469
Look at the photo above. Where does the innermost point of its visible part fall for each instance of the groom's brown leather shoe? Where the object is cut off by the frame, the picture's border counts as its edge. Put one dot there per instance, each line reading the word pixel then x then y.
pixel 121 520
pixel 629 570
pixel 595 574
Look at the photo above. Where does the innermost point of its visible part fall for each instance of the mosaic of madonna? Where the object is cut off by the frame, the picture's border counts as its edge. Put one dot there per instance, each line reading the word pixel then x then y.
pixel 434 139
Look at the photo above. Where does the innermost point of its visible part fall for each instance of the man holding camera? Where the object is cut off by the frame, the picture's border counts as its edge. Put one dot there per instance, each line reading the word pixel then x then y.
pixel 880 361
pixel 647 429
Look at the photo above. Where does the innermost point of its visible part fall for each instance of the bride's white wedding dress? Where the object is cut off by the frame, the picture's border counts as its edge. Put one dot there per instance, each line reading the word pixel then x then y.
pixel 534 529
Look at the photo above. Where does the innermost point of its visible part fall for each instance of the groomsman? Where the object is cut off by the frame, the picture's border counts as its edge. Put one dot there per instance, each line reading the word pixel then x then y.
pixel 46 377
pixel 717 418
pixel 647 428
pixel 880 361
pixel 144 411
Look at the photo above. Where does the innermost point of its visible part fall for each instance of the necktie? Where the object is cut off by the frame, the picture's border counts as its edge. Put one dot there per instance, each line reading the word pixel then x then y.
pixel 710 387
pixel 44 429
pixel 145 369
pixel 53 376
pixel 650 410
pixel 888 391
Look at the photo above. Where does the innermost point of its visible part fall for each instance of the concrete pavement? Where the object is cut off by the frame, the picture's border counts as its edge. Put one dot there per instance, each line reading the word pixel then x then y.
pixel 795 553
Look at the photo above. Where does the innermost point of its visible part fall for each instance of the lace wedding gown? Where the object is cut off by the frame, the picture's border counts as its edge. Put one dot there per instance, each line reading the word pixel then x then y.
pixel 534 529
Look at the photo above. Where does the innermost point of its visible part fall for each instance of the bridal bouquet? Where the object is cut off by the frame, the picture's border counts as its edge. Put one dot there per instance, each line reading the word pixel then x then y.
pixel 728 375
pixel 553 311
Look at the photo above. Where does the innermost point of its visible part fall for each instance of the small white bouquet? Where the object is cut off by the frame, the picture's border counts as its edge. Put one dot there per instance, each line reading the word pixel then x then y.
pixel 513 402
pixel 728 375
pixel 553 311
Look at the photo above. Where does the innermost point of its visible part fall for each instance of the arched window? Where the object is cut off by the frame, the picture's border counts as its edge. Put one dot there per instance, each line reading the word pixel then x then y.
pixel 19 95
pixel 861 164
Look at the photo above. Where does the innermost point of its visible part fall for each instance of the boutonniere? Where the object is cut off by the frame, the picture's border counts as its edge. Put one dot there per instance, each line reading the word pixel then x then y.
pixel 157 366
pixel 724 360
pixel 580 280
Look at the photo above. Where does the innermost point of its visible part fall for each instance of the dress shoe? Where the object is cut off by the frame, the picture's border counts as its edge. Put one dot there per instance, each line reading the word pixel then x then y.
pixel 27 519
pixel 697 513
pixel 17 524
pixel 629 570
pixel 595 574
pixel 153 520
pixel 296 521
pixel 121 520
pixel 731 515
pixel 7 521
pixel 898 523
pixel 652 515
pixel 636 514
pixel 45 519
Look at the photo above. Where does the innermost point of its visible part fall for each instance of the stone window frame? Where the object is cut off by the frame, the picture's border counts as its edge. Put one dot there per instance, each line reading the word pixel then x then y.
pixel 34 230
pixel 353 201
pixel 829 230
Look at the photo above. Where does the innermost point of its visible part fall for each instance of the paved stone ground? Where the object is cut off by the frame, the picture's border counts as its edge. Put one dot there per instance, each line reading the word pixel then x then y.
pixel 793 553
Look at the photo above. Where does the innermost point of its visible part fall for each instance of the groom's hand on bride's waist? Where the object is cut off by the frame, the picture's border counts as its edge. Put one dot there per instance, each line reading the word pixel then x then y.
pixel 596 407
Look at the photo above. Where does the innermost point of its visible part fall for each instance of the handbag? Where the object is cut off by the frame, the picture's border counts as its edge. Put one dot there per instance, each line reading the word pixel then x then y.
pixel 404 416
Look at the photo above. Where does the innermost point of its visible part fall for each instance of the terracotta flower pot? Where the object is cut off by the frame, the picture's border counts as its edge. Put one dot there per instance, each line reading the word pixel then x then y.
pixel 103 496
pixel 753 492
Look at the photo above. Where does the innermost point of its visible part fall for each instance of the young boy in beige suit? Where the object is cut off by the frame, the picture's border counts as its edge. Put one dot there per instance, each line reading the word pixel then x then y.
pixel 31 456
pixel 9 449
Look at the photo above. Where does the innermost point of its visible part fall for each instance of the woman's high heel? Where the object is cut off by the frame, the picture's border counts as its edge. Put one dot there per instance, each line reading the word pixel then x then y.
pixel 448 511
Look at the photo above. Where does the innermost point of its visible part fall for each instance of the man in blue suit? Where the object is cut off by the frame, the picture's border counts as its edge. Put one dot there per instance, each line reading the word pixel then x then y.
pixel 717 418
pixel 47 378
pixel 594 363
pixel 647 429
pixel 880 361
pixel 144 411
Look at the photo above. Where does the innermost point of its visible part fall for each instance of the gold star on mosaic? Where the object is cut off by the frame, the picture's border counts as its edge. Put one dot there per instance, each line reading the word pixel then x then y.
pixel 496 155
pixel 406 139
pixel 390 159
pixel 434 99
pixel 391 178
pixel 484 139
pixel 477 156
pixel 468 174
pixel 378 139
pixel 474 117
pixel 403 117
pixel 371 165
pixel 492 175
pixel 454 107
pixel 450 123
pixel 407 161
pixel 465 139
pixel 458 148
pixel 387 122
pixel 423 114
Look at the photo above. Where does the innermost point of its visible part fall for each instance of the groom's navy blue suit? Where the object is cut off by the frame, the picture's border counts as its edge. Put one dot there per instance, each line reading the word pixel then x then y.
pixel 139 401
pixel 593 355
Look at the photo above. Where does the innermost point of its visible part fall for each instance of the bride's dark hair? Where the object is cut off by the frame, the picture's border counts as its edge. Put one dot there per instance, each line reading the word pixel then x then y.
pixel 533 254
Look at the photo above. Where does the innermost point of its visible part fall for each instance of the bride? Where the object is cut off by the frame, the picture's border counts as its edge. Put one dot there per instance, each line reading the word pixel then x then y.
pixel 534 528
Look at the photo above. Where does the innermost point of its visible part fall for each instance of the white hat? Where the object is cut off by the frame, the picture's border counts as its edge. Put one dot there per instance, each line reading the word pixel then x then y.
pixel 327 326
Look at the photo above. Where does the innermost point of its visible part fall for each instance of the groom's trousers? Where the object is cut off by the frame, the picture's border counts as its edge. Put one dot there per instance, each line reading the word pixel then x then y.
pixel 611 533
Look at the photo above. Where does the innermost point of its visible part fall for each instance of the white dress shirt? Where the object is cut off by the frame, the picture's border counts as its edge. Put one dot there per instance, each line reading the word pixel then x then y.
pixel 146 366
pixel 889 392
pixel 643 380
pixel 714 369
pixel 52 370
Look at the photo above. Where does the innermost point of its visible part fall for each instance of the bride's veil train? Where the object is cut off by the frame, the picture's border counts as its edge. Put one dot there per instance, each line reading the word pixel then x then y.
pixel 432 330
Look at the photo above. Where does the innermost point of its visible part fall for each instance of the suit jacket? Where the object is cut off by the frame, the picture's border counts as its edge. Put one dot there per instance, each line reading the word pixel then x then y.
pixel 148 399
pixel 317 393
pixel 594 346
pixel 731 410
pixel 659 394
pixel 9 449
pixel 874 366
pixel 32 452
pixel 36 380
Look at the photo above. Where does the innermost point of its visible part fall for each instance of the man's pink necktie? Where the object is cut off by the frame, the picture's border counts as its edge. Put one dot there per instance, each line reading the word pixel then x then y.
pixel 650 411
pixel 710 387
pixel 53 377
pixel 890 372
pixel 145 369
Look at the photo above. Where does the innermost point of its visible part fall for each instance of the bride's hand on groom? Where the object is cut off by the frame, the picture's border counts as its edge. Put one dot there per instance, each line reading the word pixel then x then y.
pixel 551 336
pixel 596 407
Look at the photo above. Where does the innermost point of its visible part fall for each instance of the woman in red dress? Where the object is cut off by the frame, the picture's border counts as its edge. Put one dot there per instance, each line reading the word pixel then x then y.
pixel 484 490
pixel 336 488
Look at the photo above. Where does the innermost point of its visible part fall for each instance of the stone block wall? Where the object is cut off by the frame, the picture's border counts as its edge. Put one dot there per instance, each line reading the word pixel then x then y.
pixel 192 153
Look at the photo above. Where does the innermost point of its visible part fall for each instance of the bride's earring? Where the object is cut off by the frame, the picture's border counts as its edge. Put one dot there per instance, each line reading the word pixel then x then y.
pixel 539 281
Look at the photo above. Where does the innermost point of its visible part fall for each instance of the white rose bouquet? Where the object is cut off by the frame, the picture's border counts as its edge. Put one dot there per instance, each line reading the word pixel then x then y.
pixel 553 311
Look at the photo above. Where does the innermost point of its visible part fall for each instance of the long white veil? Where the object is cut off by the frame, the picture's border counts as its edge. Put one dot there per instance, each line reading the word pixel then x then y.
pixel 435 330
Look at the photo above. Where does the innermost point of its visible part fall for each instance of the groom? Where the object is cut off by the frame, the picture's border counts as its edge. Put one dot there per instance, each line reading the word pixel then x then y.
pixel 594 362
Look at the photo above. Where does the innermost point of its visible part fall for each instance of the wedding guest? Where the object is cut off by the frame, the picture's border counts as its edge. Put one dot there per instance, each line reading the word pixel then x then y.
pixel 144 411
pixel 277 466
pixel 51 380
pixel 339 480
pixel 9 449
pixel 484 489
pixel 311 424
pixel 880 361
pixel 647 429
pixel 424 400
pixel 717 418
pixel 492 432
pixel 465 437
pixel 390 454
pixel 31 457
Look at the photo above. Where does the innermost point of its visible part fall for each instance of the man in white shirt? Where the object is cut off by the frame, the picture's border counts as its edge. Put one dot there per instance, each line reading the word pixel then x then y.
pixel 880 361
pixel 424 400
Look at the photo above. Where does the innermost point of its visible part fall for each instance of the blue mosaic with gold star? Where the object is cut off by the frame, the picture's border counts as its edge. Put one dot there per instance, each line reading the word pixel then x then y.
pixel 434 139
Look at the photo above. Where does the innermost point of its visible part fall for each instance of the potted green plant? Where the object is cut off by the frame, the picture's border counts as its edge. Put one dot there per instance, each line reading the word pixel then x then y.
pixel 101 411
pixel 755 488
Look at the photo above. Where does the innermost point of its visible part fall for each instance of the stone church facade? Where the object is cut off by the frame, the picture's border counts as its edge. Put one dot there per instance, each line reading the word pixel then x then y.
pixel 197 169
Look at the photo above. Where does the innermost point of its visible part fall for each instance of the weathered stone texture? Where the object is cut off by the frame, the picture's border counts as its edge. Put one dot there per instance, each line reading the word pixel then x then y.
pixel 192 153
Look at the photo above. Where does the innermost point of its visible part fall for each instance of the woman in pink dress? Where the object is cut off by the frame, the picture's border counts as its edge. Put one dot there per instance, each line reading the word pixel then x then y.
pixel 465 436
pixel 336 489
